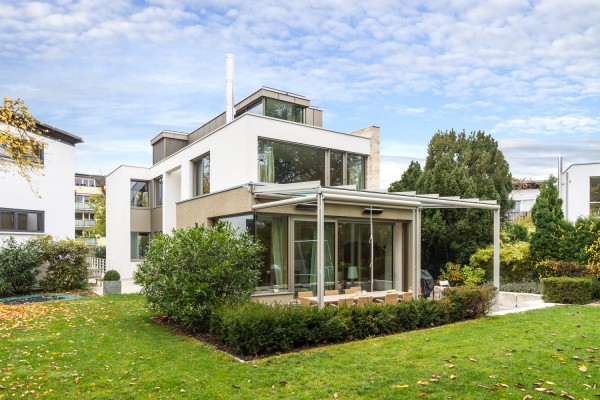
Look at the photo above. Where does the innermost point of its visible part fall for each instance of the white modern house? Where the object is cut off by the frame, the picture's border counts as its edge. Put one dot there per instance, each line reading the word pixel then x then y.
pixel 309 194
pixel 524 194
pixel 579 189
pixel 50 209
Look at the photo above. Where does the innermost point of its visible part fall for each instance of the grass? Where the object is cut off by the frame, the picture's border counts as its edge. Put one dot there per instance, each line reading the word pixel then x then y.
pixel 109 348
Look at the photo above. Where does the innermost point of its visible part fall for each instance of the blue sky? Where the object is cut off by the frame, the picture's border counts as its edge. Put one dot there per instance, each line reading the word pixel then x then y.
pixel 527 72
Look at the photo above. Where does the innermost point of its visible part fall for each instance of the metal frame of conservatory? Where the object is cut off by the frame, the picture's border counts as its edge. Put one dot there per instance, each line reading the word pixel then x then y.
pixel 278 195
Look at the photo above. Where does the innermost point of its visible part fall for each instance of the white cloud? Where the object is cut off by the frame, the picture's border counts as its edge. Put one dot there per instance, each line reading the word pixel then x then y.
pixel 548 126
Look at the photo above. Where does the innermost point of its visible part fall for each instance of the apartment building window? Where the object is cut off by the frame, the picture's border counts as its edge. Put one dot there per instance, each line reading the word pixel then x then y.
pixel 90 182
pixel 138 195
pixel 594 195
pixel 158 192
pixel 202 175
pixel 280 162
pixel 36 155
pixel 276 109
pixel 139 244
pixel 21 220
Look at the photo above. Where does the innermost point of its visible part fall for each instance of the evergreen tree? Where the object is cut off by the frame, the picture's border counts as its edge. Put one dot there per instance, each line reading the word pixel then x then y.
pixel 458 165
pixel 548 217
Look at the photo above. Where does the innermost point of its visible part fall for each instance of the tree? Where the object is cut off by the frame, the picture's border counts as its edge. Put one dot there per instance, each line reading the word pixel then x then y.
pixel 21 146
pixel 98 203
pixel 409 179
pixel 458 165
pixel 548 218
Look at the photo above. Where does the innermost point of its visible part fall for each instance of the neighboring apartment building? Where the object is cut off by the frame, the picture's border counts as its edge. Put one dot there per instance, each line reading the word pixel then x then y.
pixel 524 193
pixel 579 188
pixel 85 187
pixel 309 194
pixel 23 213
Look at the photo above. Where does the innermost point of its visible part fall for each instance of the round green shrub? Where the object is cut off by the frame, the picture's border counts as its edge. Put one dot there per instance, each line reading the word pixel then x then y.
pixel 112 275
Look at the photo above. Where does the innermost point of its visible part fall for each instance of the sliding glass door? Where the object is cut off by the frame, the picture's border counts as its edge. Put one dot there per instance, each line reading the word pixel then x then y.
pixel 354 255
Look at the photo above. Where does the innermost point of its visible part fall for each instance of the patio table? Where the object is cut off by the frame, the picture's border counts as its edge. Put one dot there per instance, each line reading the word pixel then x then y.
pixel 333 299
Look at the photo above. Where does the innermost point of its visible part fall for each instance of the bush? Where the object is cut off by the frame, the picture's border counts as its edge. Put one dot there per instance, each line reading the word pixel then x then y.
pixel 256 329
pixel 66 264
pixel 112 275
pixel 19 264
pixel 470 301
pixel 522 287
pixel 568 290
pixel 458 275
pixel 188 274
pixel 556 269
pixel 99 252
pixel 515 261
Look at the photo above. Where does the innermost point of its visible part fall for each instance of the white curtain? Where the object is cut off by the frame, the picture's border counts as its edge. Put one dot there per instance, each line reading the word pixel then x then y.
pixel 277 253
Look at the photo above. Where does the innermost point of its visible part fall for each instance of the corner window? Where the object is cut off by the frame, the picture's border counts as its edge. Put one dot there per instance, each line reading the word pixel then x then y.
pixel 139 244
pixel 202 175
pixel 138 195
pixel 284 110
pixel 21 220
pixel 280 162
pixel 594 195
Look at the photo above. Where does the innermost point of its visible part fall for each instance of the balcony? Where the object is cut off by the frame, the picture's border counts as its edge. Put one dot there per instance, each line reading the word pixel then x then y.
pixel 83 207
pixel 84 223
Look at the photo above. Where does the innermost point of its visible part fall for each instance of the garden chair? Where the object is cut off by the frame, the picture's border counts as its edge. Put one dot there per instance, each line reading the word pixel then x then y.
pixel 305 294
pixel 364 300
pixel 353 289
pixel 390 298
pixel 407 296
pixel 332 292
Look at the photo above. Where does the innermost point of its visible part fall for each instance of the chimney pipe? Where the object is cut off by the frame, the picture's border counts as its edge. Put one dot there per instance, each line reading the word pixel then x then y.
pixel 229 89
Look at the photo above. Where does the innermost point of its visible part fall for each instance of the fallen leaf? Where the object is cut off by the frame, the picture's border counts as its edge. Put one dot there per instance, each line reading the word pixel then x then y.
pixel 567 395
pixel 501 385
pixel 236 386
pixel 582 368
pixel 282 383
pixel 550 383
pixel 421 395
pixel 528 397
pixel 453 376
pixel 335 395
pixel 401 386
pixel 472 359
pixel 420 382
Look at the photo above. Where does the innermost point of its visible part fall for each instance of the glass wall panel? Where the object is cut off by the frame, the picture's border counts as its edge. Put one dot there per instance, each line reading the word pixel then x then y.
pixel 138 194
pixel 354 255
pixel 139 243
pixel 272 232
pixel 284 110
pixel 305 256
pixel 383 260
pixel 356 170
pixel 288 163
pixel 256 108
pixel 336 168
pixel 7 220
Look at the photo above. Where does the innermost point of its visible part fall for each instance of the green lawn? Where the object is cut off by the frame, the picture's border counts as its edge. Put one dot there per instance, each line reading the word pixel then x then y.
pixel 109 348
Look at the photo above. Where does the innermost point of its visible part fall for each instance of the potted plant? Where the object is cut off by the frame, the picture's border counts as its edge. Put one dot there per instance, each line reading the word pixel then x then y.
pixel 112 282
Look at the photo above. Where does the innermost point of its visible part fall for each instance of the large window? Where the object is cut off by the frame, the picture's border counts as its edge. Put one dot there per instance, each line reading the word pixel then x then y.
pixel 202 175
pixel 272 232
pixel 138 195
pixel 21 220
pixel 288 163
pixel 276 109
pixel 594 195
pixel 305 256
pixel 281 162
pixel 139 244
pixel 36 155
pixel 242 222
pixel 91 182
pixel 354 255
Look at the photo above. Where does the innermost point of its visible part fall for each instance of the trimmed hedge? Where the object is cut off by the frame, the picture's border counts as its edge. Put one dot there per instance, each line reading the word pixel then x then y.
pixel 568 290
pixel 259 329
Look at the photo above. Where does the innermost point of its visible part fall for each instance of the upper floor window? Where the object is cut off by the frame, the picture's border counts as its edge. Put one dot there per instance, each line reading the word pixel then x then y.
pixel 280 162
pixel 138 195
pixel 276 109
pixel 91 182
pixel 35 156
pixel 202 175
pixel 21 220
pixel 80 198
pixel 594 195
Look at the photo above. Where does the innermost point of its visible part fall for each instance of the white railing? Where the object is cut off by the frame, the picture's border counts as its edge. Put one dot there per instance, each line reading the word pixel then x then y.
pixel 97 267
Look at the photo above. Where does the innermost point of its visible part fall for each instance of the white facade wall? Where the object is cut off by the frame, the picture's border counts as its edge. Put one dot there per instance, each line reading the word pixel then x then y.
pixel 575 189
pixel 526 197
pixel 118 221
pixel 233 161
pixel 54 192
